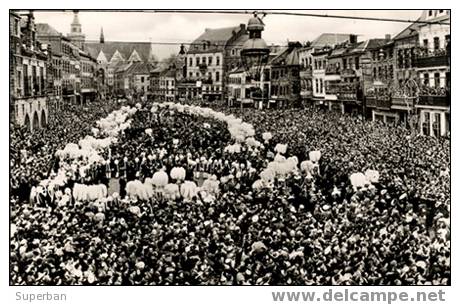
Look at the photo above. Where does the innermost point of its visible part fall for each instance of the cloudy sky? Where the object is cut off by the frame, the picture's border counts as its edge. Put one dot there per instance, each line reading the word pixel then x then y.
pixel 167 27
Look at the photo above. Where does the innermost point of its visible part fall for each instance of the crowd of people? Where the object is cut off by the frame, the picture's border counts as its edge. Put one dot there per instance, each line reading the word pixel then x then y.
pixel 297 230
pixel 32 154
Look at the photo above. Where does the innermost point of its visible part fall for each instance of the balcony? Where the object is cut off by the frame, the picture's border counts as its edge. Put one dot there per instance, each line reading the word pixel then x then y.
pixel 434 101
pixel 378 102
pixel 400 102
pixel 347 96
pixel 431 58
pixel 432 61
pixel 332 70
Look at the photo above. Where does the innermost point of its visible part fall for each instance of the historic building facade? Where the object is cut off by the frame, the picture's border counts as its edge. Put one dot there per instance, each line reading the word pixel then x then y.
pixel 28 73
pixel 285 77
pixel 113 58
pixel 313 61
pixel 433 70
pixel 73 70
pixel 210 57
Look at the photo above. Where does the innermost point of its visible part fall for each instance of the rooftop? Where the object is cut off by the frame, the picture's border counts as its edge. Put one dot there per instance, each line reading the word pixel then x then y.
pixel 44 29
pixel 216 39
pixel 125 48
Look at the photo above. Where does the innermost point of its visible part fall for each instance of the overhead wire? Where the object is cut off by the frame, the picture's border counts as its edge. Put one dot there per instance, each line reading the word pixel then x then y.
pixel 262 12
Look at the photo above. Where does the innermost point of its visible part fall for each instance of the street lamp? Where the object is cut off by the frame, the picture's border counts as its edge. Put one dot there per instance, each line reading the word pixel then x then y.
pixel 255 52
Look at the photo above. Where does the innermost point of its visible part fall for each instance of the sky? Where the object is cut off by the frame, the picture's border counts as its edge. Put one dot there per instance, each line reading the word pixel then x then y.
pixel 183 27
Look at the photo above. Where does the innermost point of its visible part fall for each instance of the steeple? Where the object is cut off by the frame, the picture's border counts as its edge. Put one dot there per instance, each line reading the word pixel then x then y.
pixel 101 38
pixel 76 36
pixel 75 27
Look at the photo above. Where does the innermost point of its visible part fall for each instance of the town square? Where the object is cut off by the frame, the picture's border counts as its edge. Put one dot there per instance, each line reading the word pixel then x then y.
pixel 230 158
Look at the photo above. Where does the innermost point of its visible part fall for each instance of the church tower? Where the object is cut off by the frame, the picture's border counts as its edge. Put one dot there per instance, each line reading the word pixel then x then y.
pixel 76 36
pixel 101 38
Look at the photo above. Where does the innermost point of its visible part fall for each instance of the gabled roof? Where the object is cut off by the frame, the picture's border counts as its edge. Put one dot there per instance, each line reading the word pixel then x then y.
pixel 288 56
pixel 168 73
pixel 375 43
pixel 411 30
pixel 239 42
pixel 329 39
pixel 125 48
pixel 122 67
pixel 44 29
pixel 139 68
pixel 215 39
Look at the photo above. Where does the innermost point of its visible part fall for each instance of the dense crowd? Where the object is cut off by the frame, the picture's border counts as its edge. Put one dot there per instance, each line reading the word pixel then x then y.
pixel 32 153
pixel 297 230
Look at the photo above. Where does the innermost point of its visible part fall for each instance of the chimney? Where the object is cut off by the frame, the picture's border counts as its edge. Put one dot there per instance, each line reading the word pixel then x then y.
pixel 387 37
pixel 353 38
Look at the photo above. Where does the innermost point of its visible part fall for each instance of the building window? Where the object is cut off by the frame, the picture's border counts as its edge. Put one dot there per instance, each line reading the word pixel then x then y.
pixel 425 43
pixel 197 61
pixel 356 63
pixel 375 72
pixel 217 76
pixel 316 85
pixel 437 125
pixel 437 80
pixel 142 79
pixel 426 79
pixel 19 79
pixel 191 62
pixel 209 60
pixel 436 43
pixel 426 124
pixel 321 88
pixel 217 60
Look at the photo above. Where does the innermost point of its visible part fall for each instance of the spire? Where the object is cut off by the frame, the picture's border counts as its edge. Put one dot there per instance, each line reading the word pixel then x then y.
pixel 101 38
pixel 75 21
pixel 75 27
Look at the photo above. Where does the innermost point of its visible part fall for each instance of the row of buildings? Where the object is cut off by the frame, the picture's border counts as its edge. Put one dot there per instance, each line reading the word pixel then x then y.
pixel 400 80
pixel 49 70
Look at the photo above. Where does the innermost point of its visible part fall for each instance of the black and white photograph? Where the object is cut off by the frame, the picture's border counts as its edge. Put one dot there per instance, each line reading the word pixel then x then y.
pixel 212 147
